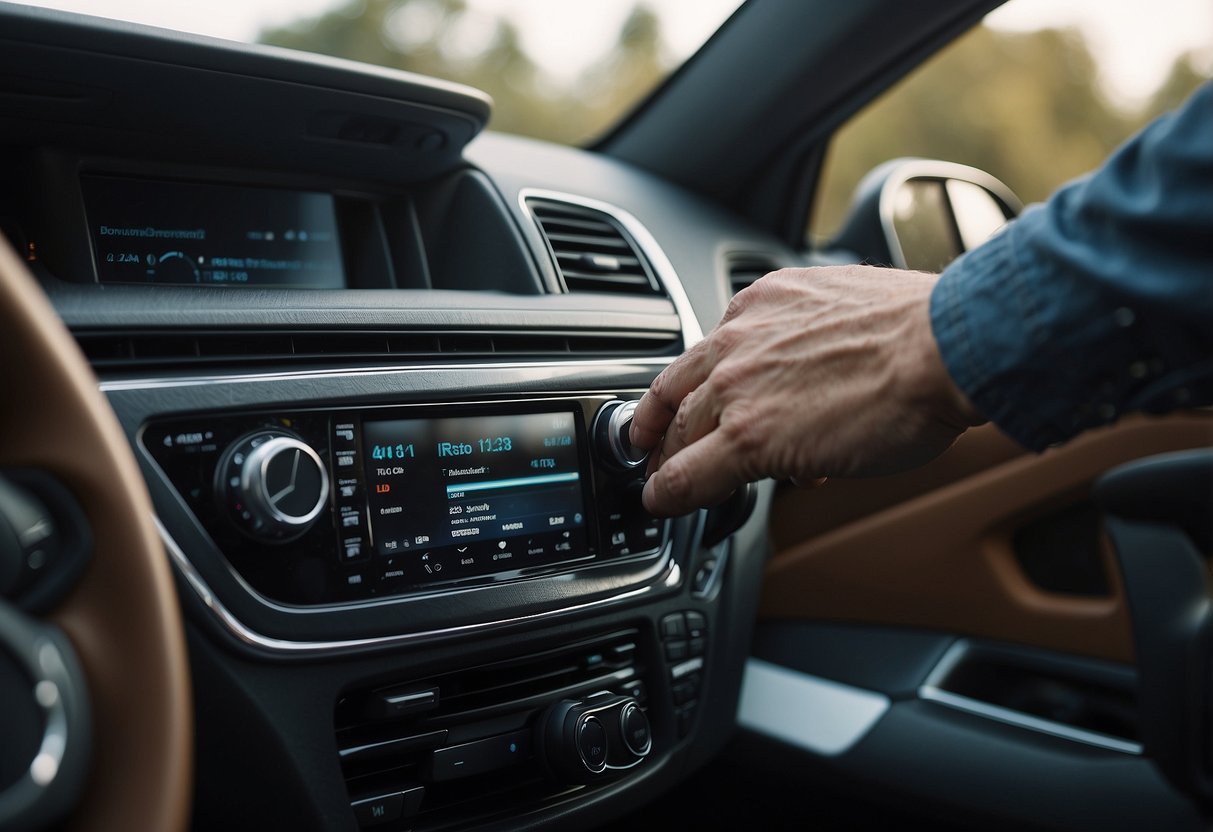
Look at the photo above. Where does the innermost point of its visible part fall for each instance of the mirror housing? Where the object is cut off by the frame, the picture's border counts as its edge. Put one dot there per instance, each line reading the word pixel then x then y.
pixel 922 214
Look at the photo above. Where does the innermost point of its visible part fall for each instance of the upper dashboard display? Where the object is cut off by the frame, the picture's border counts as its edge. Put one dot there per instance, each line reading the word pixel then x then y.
pixel 179 233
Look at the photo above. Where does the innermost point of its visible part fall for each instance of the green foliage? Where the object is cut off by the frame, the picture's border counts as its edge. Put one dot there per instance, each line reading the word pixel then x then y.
pixel 1025 107
pixel 431 37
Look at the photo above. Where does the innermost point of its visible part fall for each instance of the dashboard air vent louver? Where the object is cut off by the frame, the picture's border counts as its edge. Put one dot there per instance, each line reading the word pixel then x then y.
pixel 458 744
pixel 744 269
pixel 593 253
pixel 178 348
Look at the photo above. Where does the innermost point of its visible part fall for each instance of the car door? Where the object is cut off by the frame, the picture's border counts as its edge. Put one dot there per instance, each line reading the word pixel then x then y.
pixel 954 642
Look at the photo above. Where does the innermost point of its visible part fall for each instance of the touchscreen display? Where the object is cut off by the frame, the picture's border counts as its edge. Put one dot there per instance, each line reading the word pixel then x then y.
pixel 472 495
pixel 182 233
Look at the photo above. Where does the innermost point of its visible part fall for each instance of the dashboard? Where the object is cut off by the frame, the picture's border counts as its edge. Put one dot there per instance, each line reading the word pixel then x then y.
pixel 378 374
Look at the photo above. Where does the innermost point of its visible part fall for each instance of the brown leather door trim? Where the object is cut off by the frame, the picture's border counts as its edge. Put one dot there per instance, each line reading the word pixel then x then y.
pixel 942 557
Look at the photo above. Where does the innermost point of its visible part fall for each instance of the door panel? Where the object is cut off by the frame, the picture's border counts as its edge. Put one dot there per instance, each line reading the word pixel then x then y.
pixel 934 548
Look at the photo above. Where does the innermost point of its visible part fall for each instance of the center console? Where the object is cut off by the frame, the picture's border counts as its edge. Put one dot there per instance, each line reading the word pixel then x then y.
pixel 458 603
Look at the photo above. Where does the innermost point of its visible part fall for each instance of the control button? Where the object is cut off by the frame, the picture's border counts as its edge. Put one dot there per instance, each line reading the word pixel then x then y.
pixel 673 625
pixel 617 539
pixel 637 735
pixel 703 577
pixel 623 652
pixel 697 624
pixel 690 666
pixel 480 756
pixel 383 808
pixel 344 437
pixel 351 517
pixel 637 690
pixel 353 549
pixel 676 651
pixel 397 703
pixel 697 646
pixel 684 692
pixel 592 744
pixel 645 535
pixel 686 719
pixel 274 485
pixel 612 435
pixel 412 801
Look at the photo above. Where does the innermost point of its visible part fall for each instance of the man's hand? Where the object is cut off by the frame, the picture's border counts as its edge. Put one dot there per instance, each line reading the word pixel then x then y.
pixel 811 373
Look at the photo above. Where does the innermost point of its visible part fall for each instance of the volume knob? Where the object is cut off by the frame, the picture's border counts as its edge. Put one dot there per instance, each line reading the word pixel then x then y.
pixel 274 485
pixel 612 430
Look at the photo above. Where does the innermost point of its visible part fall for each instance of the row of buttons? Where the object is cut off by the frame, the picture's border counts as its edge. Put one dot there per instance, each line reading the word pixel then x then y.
pixel 640 535
pixel 352 545
pixel 684 638
pixel 385 808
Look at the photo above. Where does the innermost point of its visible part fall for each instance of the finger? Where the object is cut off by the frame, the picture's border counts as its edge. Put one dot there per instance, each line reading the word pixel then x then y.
pixel 658 406
pixel 697 416
pixel 702 474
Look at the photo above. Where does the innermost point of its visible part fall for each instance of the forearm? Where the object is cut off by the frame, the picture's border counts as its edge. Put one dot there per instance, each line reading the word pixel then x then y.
pixel 1097 303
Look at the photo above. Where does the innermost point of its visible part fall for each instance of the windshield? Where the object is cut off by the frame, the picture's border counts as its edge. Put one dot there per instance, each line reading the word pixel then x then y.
pixel 557 70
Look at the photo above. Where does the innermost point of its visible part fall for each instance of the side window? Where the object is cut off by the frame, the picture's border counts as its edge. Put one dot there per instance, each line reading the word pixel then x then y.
pixel 1040 92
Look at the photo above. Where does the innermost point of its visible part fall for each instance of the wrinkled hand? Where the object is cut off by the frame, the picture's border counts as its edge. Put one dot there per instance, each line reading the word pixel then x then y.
pixel 824 372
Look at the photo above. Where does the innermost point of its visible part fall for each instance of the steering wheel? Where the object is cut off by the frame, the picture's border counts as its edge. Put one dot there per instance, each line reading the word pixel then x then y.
pixel 120 617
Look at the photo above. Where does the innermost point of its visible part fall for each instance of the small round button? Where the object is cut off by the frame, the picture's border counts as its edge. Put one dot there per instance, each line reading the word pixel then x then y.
pixel 634 726
pixel 592 744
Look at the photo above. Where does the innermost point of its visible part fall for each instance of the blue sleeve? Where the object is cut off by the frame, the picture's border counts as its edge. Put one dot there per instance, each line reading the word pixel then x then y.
pixel 1098 302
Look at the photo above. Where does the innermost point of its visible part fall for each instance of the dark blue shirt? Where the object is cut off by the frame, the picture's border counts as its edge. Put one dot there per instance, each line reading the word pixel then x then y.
pixel 1098 302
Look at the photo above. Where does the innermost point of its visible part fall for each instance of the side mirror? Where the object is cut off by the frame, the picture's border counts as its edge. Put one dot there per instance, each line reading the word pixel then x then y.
pixel 923 214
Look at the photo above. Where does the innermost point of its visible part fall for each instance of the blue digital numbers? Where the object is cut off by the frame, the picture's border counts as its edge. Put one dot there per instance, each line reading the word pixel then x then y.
pixel 397 451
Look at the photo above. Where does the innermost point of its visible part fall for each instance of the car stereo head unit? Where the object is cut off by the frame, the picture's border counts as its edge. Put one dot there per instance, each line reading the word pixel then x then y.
pixel 332 506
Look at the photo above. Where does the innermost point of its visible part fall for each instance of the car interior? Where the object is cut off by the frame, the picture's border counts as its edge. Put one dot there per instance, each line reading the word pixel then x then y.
pixel 318 507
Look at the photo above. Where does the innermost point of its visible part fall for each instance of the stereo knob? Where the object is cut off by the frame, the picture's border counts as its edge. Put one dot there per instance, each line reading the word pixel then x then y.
pixel 582 741
pixel 612 435
pixel 273 485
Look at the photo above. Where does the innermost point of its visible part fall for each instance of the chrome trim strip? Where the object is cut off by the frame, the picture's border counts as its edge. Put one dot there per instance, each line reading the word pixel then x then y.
pixel 692 333
pixel 118 385
pixel 252 638
pixel 816 714
pixel 932 691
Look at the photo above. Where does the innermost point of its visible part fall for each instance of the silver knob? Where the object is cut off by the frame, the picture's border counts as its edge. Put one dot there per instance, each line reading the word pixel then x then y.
pixel 275 485
pixel 612 429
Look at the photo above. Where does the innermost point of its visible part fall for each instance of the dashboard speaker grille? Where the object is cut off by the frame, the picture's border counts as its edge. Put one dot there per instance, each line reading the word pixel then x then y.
pixel 592 252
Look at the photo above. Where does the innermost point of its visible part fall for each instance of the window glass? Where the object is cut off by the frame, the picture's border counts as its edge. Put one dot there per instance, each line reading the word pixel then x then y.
pixel 1040 92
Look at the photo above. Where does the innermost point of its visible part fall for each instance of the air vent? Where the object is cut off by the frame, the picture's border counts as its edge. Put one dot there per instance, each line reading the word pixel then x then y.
pixel 744 269
pixel 177 348
pixel 593 252
pixel 458 746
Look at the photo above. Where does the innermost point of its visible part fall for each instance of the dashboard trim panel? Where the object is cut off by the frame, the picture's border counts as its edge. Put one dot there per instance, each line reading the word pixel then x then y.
pixel 250 637
pixel 115 385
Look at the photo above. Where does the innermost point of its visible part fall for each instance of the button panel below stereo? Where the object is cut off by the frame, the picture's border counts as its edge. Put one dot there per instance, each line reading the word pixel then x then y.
pixel 684 640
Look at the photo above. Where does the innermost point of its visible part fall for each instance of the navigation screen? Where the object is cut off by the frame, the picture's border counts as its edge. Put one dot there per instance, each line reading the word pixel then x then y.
pixel 471 495
pixel 181 233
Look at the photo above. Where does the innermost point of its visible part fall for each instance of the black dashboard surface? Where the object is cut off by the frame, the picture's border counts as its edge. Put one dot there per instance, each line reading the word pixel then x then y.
pixel 434 282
